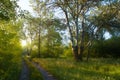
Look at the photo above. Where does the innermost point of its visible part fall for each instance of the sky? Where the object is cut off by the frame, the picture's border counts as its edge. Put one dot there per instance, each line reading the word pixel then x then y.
pixel 25 5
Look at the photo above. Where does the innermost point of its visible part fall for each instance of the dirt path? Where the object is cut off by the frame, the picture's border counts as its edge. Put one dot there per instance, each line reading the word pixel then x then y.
pixel 24 72
pixel 45 74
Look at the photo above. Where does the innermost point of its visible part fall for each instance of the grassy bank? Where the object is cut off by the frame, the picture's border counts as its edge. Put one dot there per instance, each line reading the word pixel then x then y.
pixel 96 69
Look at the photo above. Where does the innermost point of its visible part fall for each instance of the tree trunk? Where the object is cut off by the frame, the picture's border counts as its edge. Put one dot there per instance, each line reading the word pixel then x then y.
pixel 39 43
pixel 31 45
pixel 74 48
pixel 77 32
pixel 88 54
pixel 75 52
pixel 82 42
pixel 81 53
pixel 28 51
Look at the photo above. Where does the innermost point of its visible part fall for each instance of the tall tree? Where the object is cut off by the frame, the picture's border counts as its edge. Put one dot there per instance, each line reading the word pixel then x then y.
pixel 43 13
pixel 101 18
pixel 75 11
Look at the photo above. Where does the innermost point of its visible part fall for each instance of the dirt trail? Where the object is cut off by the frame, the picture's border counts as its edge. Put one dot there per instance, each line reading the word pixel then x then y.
pixel 45 74
pixel 24 72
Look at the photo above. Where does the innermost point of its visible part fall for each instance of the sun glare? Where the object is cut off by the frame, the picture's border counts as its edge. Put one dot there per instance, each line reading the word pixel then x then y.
pixel 23 43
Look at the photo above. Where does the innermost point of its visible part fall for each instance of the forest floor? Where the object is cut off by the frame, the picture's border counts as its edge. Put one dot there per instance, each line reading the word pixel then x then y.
pixel 25 72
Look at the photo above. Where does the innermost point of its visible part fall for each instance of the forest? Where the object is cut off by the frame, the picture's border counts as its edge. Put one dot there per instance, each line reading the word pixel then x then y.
pixel 60 40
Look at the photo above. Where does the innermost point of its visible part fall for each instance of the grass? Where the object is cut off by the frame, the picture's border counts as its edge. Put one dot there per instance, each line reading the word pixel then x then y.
pixel 34 74
pixel 96 69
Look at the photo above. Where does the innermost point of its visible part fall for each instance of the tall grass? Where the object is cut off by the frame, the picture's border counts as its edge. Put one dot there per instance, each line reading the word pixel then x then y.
pixel 96 69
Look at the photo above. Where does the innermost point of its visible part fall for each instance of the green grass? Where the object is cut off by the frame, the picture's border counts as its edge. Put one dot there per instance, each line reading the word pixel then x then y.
pixel 34 74
pixel 96 69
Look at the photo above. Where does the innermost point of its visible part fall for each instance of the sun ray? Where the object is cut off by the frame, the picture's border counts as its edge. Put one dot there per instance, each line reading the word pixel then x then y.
pixel 23 43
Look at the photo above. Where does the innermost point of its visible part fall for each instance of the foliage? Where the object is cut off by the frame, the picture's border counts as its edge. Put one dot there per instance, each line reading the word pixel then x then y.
pixel 10 50
pixel 7 9
pixel 96 69
pixel 44 34
pixel 67 53
pixel 34 53
pixel 86 22
pixel 52 43
pixel 9 34
pixel 108 48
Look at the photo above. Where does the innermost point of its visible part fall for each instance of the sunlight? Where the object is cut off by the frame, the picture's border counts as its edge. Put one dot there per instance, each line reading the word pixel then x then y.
pixel 23 43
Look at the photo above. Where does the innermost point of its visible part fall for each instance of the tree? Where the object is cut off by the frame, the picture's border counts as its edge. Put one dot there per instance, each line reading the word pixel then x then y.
pixel 102 16
pixel 53 41
pixel 75 11
pixel 87 20
pixel 10 48
pixel 40 9
pixel 8 9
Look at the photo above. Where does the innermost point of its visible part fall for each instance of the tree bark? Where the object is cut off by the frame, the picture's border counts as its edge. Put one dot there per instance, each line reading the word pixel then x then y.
pixel 74 48
pixel 88 54
pixel 82 42
pixel 77 32
pixel 39 43
pixel 75 52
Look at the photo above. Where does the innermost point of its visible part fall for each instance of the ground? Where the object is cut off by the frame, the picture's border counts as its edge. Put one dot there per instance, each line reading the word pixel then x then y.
pixel 25 72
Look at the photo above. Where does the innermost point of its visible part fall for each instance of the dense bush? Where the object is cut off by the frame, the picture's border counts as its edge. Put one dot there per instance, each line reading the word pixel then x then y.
pixel 67 52
pixel 46 53
pixel 107 48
